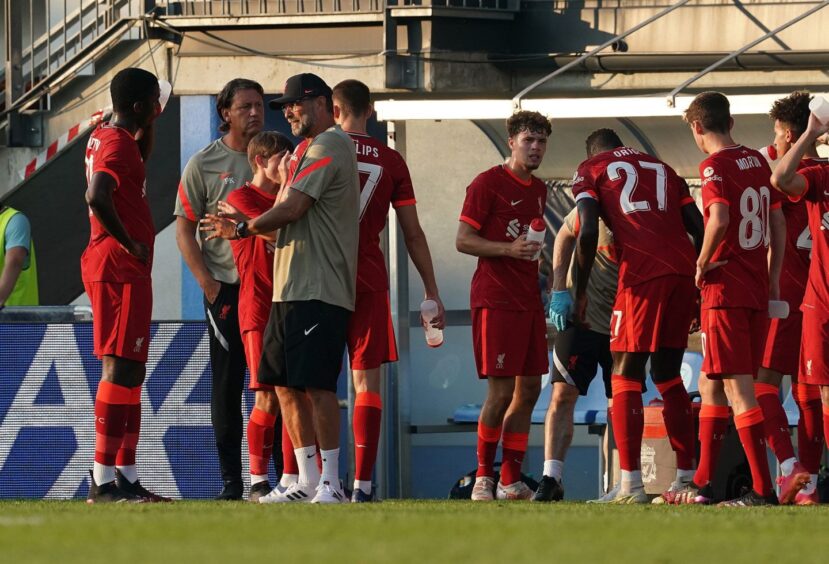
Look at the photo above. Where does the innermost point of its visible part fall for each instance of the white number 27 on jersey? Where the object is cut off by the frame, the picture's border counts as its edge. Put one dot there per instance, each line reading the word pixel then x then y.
pixel 632 180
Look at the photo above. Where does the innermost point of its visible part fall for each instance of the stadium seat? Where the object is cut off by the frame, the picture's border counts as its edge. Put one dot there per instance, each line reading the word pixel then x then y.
pixel 592 408
pixel 691 365
pixel 790 407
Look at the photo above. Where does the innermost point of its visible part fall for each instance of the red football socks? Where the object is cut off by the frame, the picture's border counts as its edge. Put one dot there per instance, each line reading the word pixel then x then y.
pixel 809 427
pixel 826 424
pixel 514 447
pixel 112 406
pixel 129 444
pixel 713 423
pixel 749 425
pixel 289 465
pixel 775 422
pixel 368 413
pixel 628 420
pixel 679 421
pixel 260 441
pixel 487 446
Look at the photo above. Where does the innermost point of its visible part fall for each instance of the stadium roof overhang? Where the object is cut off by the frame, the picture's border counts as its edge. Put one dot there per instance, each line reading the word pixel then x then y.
pixel 644 122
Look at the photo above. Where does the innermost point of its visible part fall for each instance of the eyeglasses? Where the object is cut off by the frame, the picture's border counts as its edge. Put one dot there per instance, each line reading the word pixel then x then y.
pixel 292 105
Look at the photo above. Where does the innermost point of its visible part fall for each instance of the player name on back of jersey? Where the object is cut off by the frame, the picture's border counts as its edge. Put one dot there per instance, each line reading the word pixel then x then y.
pixel 365 150
pixel 746 163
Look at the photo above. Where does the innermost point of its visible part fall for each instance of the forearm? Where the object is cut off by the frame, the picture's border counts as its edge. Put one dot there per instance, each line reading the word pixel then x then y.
pixel 563 248
pixel 475 245
pixel 585 255
pixel 193 258
pixel 104 212
pixel 418 250
pixel 714 233
pixel 275 218
pixel 8 278
pixel 785 178
pixel 777 246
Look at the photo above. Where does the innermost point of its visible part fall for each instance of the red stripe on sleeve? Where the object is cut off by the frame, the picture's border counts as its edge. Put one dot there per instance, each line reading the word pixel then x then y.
pixel 185 203
pixel 402 203
pixel 776 205
pixel 722 201
pixel 686 200
pixel 471 222
pixel 322 163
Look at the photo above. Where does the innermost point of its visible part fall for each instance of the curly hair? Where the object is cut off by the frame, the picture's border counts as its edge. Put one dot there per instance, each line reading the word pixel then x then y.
pixel 528 121
pixel 793 110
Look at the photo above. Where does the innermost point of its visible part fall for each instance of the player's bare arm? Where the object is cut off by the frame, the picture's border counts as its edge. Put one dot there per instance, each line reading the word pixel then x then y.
pixel 469 242
pixel 563 247
pixel 694 226
pixel 714 232
pixel 186 240
pixel 418 249
pixel 785 177
pixel 586 243
pixel 227 210
pixel 777 249
pixel 291 209
pixel 12 267
pixel 99 199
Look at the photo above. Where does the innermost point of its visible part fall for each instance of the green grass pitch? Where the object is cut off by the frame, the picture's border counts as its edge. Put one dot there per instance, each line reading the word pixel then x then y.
pixel 408 531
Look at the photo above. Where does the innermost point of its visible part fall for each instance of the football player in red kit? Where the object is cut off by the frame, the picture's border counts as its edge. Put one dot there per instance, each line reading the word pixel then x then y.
pixel 650 211
pixel 116 268
pixel 812 185
pixel 738 271
pixel 384 182
pixel 508 326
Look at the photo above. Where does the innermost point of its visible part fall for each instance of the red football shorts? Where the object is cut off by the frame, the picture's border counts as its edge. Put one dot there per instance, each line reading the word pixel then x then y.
pixel 509 343
pixel 653 315
pixel 253 353
pixel 121 314
pixel 370 333
pixel 782 352
pixel 733 340
pixel 814 348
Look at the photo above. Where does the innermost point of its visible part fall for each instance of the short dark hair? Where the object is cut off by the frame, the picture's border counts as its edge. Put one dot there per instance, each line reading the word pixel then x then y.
pixel 129 86
pixel 266 144
pixel 793 110
pixel 354 95
pixel 602 140
pixel 528 121
pixel 712 110
pixel 225 98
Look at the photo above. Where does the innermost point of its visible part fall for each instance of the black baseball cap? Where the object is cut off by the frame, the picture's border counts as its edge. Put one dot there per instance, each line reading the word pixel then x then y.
pixel 299 87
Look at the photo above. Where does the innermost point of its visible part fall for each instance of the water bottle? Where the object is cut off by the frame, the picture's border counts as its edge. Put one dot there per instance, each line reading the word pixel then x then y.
pixel 428 311
pixel 820 107
pixel 536 235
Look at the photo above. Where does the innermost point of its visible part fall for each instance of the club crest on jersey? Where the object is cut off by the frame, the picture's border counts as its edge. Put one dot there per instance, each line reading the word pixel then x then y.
pixel 139 342
pixel 499 361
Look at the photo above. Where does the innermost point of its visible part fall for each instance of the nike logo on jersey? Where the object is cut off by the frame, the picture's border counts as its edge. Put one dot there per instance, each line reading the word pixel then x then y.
pixel 308 331
pixel 515 202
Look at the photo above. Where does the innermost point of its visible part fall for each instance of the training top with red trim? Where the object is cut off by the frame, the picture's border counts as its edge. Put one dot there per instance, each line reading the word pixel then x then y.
pixel 113 151
pixel 500 206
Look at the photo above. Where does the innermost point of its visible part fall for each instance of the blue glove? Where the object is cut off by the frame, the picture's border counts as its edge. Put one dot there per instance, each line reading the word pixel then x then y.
pixel 561 305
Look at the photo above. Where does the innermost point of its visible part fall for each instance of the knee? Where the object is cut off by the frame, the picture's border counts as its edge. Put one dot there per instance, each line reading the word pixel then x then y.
pixel 267 401
pixel 564 397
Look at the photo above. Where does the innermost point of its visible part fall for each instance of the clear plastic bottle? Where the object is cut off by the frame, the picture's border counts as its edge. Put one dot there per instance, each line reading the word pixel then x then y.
pixel 820 107
pixel 428 311
pixel 536 234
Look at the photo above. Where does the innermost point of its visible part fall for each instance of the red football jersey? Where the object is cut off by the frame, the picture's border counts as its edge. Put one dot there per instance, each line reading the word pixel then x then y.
pixel 113 150
pixel 641 201
pixel 739 177
pixel 501 206
pixel 796 261
pixel 384 181
pixel 817 205
pixel 254 261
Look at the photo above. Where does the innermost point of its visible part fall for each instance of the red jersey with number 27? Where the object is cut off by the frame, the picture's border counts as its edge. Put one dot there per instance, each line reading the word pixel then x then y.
pixel 817 205
pixel 738 177
pixel 641 200
pixel 501 206
pixel 254 261
pixel 384 181
pixel 113 151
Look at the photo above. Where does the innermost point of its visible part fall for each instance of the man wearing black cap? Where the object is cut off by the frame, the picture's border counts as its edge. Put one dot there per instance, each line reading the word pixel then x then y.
pixel 314 283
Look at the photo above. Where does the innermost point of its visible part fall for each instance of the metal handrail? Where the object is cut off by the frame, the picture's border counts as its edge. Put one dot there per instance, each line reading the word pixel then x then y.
pixel 672 96
pixel 516 101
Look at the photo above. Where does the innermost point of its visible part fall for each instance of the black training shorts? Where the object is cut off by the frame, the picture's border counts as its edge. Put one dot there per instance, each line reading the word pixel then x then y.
pixel 303 345
pixel 576 355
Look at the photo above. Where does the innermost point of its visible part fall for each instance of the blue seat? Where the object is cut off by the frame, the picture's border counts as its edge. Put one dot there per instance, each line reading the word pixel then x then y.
pixel 691 366
pixel 790 407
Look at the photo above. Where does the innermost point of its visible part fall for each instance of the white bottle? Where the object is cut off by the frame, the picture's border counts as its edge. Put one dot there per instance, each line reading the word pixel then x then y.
pixel 820 107
pixel 428 311
pixel 536 234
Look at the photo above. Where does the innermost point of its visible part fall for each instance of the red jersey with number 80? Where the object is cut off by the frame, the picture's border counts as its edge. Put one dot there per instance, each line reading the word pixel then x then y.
pixel 641 201
pixel 384 181
pixel 113 151
pixel 500 206
pixel 738 177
